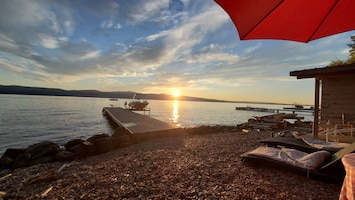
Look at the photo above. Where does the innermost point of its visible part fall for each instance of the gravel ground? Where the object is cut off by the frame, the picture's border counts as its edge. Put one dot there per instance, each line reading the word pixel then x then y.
pixel 204 166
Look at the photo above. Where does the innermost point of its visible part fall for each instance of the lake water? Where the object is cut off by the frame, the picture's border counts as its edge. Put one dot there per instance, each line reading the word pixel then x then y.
pixel 25 119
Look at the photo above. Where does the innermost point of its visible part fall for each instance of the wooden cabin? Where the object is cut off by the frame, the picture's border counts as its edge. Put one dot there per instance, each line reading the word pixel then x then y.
pixel 334 95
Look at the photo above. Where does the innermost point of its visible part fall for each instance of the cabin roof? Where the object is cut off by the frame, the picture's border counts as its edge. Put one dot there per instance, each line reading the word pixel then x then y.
pixel 340 70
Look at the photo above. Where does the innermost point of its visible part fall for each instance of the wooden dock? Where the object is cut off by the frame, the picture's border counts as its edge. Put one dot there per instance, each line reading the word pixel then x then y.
pixel 273 110
pixel 140 126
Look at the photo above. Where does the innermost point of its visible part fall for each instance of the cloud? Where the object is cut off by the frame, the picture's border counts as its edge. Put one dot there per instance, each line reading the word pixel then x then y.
pixel 26 68
pixel 71 56
pixel 5 64
pixel 7 42
pixel 157 35
pixel 50 42
pixel 143 11
pixel 110 24
pixel 146 44
pixel 30 15
pixel 90 55
pixel 251 49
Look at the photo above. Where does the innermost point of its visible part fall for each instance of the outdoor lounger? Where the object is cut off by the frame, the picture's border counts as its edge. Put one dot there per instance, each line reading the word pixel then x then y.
pixel 304 144
pixel 320 164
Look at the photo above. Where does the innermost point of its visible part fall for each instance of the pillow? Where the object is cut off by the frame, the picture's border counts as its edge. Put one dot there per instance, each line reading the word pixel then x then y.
pixel 314 160
pixel 328 146
pixel 292 156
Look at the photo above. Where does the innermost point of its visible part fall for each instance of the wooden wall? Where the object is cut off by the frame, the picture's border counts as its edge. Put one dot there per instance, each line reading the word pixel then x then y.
pixel 338 98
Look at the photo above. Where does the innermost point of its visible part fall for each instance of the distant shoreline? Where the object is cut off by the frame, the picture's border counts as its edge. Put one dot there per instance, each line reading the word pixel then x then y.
pixel 24 90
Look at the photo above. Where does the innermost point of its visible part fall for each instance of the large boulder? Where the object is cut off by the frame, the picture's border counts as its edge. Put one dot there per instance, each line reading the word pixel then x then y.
pixel 83 149
pixel 102 142
pixel 12 153
pixel 42 152
pixel 8 158
pixel 72 143
pixel 22 161
pixel 103 145
pixel 97 137
pixel 6 163
pixel 42 149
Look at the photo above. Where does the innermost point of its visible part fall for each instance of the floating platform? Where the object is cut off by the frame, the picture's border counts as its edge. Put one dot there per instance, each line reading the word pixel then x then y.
pixel 257 109
pixel 273 110
pixel 140 126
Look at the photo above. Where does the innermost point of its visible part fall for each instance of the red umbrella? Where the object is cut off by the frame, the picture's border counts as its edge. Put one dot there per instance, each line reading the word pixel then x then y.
pixel 297 20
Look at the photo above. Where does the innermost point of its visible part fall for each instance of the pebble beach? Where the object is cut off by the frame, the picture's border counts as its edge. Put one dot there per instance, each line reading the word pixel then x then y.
pixel 204 166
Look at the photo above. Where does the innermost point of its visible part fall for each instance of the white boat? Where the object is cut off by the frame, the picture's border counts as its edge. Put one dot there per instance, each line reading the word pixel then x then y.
pixel 113 104
pixel 137 104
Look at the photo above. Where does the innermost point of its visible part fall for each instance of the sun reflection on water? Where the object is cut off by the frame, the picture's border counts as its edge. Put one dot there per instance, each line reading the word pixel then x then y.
pixel 176 112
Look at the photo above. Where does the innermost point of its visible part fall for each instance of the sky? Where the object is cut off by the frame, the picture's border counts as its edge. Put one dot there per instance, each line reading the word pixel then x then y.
pixel 153 46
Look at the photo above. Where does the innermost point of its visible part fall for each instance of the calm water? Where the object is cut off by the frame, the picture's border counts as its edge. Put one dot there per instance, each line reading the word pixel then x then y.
pixel 25 119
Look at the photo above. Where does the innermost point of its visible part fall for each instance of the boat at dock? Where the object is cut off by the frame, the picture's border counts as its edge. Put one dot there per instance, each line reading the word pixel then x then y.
pixel 137 104
pixel 114 100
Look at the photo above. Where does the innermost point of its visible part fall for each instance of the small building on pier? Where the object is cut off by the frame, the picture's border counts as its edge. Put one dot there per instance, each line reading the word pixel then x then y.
pixel 334 95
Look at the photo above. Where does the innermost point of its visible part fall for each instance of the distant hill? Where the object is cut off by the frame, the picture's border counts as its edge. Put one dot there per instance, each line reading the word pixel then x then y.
pixel 13 89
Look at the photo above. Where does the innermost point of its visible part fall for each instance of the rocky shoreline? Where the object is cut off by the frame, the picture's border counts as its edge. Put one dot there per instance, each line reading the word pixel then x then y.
pixel 203 164
pixel 48 151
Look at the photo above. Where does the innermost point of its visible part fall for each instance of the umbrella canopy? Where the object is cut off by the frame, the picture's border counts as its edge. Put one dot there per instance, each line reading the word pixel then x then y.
pixel 297 20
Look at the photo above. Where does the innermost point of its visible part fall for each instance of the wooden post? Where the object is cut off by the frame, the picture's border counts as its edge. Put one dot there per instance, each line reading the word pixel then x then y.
pixel 316 108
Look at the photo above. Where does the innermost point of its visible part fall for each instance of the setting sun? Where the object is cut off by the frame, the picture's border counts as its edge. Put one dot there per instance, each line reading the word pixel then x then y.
pixel 176 93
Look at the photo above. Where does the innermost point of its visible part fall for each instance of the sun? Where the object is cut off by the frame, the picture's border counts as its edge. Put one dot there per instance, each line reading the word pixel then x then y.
pixel 176 93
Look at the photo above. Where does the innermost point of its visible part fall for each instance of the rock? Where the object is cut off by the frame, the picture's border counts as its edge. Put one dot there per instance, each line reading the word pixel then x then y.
pixel 6 163
pixel 65 156
pixel 83 149
pixel 21 160
pixel 42 152
pixel 96 137
pixel 8 158
pixel 72 143
pixel 42 149
pixel 12 153
pixel 103 145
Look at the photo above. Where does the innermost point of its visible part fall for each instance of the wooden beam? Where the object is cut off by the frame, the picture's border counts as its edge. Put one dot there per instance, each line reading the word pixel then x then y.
pixel 316 107
pixel 341 70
